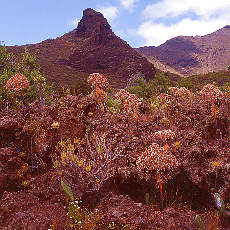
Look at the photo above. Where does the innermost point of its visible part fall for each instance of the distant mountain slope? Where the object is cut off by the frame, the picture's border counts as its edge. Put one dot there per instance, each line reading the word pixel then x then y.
pixel 193 55
pixel 161 66
pixel 91 47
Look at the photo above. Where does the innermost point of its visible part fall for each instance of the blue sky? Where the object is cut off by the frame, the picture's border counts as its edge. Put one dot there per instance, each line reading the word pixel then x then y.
pixel 139 22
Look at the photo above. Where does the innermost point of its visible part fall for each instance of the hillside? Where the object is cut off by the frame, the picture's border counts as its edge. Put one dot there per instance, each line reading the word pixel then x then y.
pixel 190 55
pixel 91 47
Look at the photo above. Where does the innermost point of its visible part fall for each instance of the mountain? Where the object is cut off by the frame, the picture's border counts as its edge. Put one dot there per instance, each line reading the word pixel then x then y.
pixel 91 47
pixel 191 55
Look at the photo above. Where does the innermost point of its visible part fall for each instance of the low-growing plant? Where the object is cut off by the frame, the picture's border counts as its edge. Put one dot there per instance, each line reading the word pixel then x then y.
pixel 199 222
pixel 114 105
pixel 80 216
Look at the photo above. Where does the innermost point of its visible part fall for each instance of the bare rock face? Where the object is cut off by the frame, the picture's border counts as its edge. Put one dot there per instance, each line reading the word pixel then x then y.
pixel 94 25
pixel 102 51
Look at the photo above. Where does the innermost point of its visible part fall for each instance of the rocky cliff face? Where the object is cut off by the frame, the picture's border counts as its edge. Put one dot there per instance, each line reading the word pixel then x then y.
pixel 100 50
pixel 194 55
pixel 91 47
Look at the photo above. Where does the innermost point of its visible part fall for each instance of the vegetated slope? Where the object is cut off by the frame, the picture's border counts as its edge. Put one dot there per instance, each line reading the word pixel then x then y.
pixel 194 54
pixel 106 178
pixel 91 47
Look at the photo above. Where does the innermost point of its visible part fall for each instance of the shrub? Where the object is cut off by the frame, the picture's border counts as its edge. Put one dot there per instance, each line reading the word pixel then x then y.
pixel 139 86
pixel 158 159
pixel 99 83
pixel 25 65
pixel 17 83
pixel 210 93
pixel 98 80
pixel 213 95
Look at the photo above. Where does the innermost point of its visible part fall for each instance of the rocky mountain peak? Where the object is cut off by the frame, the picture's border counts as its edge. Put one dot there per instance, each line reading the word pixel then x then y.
pixel 93 24
pixel 92 47
pixel 227 27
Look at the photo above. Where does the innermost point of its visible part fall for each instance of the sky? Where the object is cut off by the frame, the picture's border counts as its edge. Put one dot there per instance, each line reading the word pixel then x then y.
pixel 139 22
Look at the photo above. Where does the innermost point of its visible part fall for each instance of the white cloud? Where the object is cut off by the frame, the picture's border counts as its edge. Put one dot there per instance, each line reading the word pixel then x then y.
pixel 109 12
pixel 128 4
pixel 75 22
pixel 174 8
pixel 208 16
pixel 155 34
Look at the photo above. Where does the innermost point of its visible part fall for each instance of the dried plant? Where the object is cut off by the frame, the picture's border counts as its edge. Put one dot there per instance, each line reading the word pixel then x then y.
pixel 213 95
pixel 99 84
pixel 130 103
pixel 17 83
pixel 159 159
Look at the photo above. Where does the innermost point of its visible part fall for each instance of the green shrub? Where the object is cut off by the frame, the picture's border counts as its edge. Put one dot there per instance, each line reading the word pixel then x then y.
pixel 113 105
pixel 25 64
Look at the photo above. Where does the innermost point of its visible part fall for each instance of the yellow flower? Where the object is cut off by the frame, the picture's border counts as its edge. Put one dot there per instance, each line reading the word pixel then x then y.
pixel 25 167
pixel 88 168
pixel 76 140
pixel 62 143
pixel 21 154
pixel 90 114
pixel 164 120
pixel 63 155
pixel 25 183
pixel 177 144
pixel 80 162
pixel 70 147
pixel 55 125
pixel 215 164
pixel 82 141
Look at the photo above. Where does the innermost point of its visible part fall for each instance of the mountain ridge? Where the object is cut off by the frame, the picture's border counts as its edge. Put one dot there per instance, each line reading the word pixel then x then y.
pixel 190 55
pixel 91 47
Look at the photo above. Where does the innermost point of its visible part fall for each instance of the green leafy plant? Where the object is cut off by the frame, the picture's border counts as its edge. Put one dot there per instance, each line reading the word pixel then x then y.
pixel 68 190
pixel 147 198
pixel 139 86
pixel 81 217
pixel 199 222
pixel 26 65
pixel 114 106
